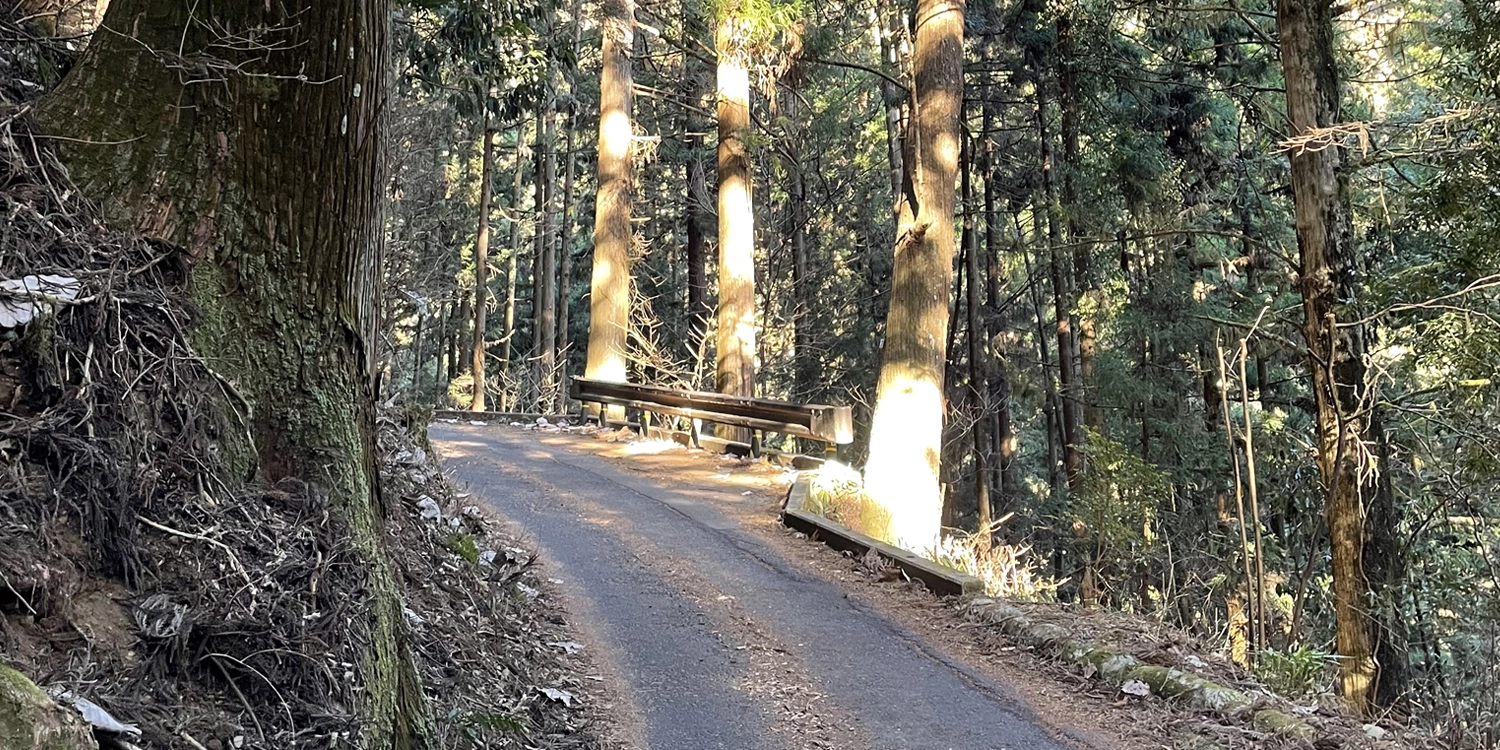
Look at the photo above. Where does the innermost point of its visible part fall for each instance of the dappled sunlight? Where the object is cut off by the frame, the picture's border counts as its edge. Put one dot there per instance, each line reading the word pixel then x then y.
pixel 614 127
pixel 652 447
pixel 902 480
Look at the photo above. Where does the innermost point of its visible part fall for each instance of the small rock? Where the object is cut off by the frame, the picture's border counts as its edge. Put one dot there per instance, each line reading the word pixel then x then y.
pixel 1375 732
pixel 238 742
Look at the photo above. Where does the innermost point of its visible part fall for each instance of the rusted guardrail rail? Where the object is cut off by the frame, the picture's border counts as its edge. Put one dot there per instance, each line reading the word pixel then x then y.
pixel 828 424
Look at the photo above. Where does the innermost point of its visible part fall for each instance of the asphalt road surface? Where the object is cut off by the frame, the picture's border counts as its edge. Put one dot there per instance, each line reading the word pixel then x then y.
pixel 715 639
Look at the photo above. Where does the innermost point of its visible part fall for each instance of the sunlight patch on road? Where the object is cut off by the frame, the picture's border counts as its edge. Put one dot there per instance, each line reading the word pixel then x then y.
pixel 652 447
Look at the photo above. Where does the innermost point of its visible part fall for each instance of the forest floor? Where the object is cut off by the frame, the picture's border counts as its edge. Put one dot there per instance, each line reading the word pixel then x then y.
pixel 693 543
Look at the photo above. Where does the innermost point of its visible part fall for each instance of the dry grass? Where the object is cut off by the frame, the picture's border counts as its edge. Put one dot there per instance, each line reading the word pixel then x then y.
pixel 837 493
pixel 1008 570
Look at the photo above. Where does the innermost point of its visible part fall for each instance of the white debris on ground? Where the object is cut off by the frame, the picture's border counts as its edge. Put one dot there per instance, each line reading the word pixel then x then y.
pixel 30 297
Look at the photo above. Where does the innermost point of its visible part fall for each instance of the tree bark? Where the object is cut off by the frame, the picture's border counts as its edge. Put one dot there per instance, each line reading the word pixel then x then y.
pixel 893 98
pixel 696 198
pixel 978 346
pixel 736 331
pixel 512 259
pixel 1336 350
pixel 565 258
pixel 609 300
pixel 281 220
pixel 545 273
pixel 999 381
pixel 902 474
pixel 1084 329
pixel 482 271
pixel 1060 267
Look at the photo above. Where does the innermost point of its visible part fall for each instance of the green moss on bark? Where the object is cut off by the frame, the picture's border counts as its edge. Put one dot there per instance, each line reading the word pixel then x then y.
pixel 29 720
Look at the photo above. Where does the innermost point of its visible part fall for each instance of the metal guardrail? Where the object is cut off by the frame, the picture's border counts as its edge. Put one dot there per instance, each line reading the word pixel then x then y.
pixel 829 424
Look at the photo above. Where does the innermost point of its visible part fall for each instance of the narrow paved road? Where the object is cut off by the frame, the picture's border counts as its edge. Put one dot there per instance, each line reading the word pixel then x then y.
pixel 720 642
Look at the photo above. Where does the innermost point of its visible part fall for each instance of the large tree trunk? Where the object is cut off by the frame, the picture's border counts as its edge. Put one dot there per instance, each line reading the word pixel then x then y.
pixel 736 332
pixel 906 436
pixel 281 218
pixel 482 270
pixel 609 302
pixel 1336 349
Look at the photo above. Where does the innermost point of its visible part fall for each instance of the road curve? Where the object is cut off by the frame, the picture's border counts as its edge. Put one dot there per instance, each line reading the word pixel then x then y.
pixel 719 641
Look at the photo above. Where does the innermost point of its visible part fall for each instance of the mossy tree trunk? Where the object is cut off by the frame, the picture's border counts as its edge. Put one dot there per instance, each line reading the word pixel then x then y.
pixel 250 135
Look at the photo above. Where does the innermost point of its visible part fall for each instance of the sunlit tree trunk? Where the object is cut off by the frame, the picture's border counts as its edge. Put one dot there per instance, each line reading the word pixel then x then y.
pixel 907 431
pixel 482 270
pixel 1336 348
pixel 736 331
pixel 280 218
pixel 609 301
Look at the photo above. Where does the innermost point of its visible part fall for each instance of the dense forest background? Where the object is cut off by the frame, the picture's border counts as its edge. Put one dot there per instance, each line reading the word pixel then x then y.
pixel 1129 385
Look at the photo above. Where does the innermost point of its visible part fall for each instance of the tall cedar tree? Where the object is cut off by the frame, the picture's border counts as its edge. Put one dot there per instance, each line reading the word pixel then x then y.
pixel 736 334
pixel 262 160
pixel 609 303
pixel 1336 349
pixel 907 431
